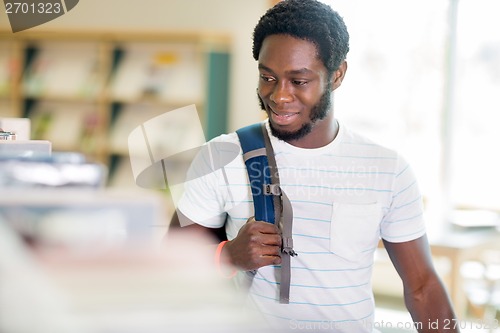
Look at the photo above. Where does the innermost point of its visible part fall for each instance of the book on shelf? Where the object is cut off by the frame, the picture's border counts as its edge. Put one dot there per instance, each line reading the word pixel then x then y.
pixel 69 126
pixel 7 66
pixel 63 70
pixel 131 116
pixel 163 72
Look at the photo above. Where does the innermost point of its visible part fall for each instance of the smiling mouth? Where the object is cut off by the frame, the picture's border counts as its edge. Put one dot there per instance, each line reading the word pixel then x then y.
pixel 283 118
pixel 286 114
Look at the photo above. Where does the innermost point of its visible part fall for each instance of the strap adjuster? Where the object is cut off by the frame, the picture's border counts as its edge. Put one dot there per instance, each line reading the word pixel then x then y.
pixel 272 189
pixel 288 246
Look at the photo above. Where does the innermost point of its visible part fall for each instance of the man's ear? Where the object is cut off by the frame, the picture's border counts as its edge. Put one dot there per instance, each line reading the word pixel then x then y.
pixel 338 75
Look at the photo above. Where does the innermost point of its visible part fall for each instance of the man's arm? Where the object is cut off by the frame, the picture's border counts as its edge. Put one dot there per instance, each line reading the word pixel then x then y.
pixel 425 296
pixel 218 234
pixel 257 244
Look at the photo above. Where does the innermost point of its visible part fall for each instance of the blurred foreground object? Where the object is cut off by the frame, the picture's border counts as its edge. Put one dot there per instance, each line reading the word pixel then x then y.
pixel 109 275
pixel 15 140
pixel 83 219
pixel 57 170
pixel 19 127
pixel 76 257
pixel 10 147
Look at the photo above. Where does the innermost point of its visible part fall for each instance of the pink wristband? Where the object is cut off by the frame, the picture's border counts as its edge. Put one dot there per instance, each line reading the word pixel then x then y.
pixel 218 263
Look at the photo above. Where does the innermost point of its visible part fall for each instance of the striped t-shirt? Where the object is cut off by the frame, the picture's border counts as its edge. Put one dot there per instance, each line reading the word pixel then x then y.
pixel 345 197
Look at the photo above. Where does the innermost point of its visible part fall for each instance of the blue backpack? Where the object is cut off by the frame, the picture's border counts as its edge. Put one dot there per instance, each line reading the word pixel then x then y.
pixel 270 203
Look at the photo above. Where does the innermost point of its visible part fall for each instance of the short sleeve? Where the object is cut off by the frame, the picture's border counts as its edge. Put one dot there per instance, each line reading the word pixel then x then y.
pixel 205 190
pixel 404 221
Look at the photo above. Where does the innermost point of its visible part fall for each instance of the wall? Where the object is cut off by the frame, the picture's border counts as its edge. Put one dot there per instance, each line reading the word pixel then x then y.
pixel 237 17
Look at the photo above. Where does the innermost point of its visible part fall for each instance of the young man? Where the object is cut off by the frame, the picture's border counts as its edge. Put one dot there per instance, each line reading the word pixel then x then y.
pixel 346 191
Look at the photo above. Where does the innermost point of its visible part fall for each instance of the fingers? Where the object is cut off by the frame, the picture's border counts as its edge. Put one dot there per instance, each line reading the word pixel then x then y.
pixel 265 255
pixel 263 233
pixel 262 227
pixel 266 239
pixel 257 244
pixel 269 260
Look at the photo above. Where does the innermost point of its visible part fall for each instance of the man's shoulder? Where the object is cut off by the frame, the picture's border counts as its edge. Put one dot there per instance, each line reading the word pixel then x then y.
pixel 355 140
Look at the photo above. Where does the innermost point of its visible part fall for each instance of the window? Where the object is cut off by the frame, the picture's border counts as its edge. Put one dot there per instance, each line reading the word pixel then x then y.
pixel 475 157
pixel 414 87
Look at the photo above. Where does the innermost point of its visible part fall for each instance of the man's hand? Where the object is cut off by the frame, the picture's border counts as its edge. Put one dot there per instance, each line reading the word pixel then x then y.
pixel 257 244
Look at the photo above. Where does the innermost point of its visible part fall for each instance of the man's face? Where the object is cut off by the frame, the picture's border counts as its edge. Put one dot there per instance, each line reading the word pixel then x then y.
pixel 294 87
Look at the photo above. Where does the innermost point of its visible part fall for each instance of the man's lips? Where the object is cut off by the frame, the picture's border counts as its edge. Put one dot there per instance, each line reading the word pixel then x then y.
pixel 283 118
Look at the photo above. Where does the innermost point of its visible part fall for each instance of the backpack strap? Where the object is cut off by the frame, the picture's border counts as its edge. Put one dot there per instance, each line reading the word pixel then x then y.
pixel 254 155
pixel 284 214
pixel 270 203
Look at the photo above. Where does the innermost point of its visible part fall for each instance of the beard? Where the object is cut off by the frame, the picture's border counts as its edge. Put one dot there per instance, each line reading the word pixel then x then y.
pixel 318 112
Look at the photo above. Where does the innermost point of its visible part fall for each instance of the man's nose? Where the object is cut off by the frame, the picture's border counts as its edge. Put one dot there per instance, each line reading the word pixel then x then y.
pixel 281 93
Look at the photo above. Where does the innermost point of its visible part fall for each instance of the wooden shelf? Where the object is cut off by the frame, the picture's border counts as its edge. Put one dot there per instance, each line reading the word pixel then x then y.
pixel 52 77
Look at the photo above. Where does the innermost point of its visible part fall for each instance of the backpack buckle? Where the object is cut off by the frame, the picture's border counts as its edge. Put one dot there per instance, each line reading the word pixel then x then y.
pixel 272 189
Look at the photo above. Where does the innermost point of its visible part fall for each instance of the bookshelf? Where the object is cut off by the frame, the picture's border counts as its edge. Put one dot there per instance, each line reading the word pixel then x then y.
pixel 85 91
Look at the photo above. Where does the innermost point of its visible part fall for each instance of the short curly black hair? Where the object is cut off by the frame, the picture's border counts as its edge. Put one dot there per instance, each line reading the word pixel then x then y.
pixel 309 20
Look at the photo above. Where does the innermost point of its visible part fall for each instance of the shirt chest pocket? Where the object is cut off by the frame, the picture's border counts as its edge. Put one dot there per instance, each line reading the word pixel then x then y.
pixel 354 229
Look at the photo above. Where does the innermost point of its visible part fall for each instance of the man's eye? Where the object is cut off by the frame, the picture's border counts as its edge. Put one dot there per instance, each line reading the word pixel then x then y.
pixel 266 78
pixel 299 82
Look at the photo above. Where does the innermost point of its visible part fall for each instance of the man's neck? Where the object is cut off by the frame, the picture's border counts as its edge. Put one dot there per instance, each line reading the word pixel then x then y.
pixel 323 132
